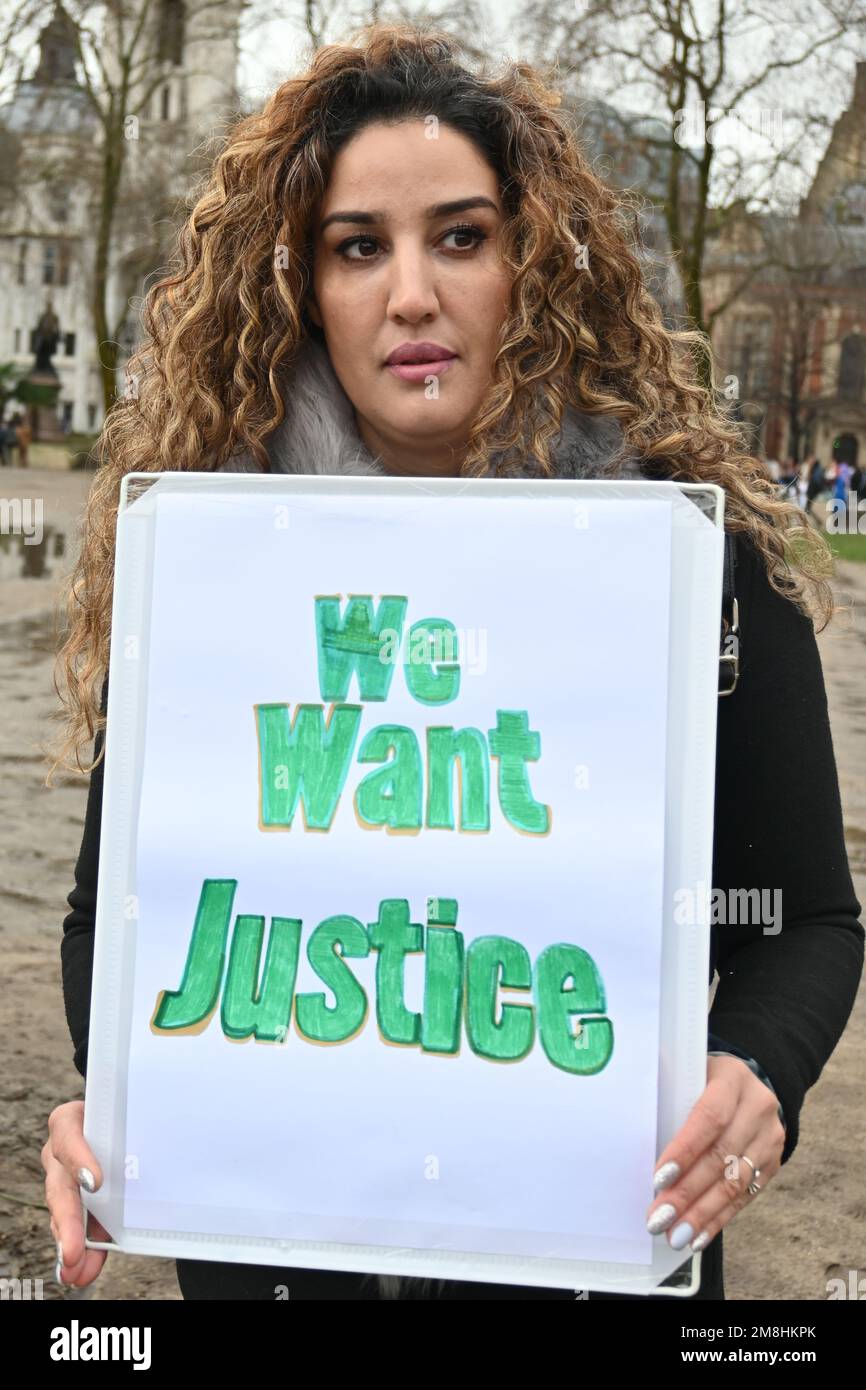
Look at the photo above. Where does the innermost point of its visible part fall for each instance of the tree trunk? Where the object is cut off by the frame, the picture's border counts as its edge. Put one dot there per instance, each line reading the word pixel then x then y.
pixel 112 168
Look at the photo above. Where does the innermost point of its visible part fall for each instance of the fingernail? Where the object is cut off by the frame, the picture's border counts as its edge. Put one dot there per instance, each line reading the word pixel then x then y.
pixel 700 1241
pixel 58 1273
pixel 86 1179
pixel 661 1219
pixel 668 1173
pixel 681 1235
pixel 59 1253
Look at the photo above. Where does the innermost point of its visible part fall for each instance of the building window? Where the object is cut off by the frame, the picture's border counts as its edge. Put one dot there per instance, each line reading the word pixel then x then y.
pixel 852 367
pixel 845 449
pixel 91 415
pixel 63 259
pixel 165 102
pixel 750 355
pixel 22 263
pixel 69 344
pixel 172 24
pixel 849 208
pixel 17 340
pixel 67 414
pixel 58 202
pixel 49 263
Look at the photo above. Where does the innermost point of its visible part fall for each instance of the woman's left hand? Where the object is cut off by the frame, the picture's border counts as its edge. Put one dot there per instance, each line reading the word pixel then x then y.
pixel 736 1116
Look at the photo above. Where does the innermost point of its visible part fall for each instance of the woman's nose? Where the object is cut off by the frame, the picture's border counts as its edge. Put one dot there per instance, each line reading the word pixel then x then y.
pixel 412 294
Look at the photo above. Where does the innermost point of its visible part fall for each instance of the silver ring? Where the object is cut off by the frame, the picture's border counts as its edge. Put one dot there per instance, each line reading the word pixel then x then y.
pixel 754 1186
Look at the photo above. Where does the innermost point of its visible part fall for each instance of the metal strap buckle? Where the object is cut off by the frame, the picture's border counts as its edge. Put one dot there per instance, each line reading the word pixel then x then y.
pixel 729 662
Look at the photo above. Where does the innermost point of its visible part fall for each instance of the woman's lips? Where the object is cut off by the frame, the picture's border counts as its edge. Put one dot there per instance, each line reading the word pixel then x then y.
pixel 417 371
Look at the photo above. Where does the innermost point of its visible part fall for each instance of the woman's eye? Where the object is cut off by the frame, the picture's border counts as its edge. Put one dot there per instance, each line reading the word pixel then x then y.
pixel 469 237
pixel 358 241
pixel 475 235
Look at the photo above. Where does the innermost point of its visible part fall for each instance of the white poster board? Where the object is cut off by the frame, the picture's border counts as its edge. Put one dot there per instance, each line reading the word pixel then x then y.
pixel 294 765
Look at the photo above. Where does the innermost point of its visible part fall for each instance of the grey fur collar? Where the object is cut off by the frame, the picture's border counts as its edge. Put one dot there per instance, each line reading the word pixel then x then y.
pixel 319 434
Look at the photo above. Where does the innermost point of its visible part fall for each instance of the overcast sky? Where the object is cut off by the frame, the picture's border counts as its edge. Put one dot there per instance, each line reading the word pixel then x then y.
pixel 820 89
pixel 274 49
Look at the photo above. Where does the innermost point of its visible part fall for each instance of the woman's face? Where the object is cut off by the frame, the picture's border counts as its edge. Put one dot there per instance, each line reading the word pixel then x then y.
pixel 405 255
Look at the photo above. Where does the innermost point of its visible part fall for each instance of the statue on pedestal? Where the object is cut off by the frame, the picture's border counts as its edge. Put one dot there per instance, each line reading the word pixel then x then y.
pixel 47 339
pixel 43 376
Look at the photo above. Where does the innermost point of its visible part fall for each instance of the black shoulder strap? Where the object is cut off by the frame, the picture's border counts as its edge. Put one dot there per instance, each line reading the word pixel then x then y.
pixel 729 655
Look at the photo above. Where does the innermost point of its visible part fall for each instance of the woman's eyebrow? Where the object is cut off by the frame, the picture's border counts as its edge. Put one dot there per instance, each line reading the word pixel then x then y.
pixel 438 210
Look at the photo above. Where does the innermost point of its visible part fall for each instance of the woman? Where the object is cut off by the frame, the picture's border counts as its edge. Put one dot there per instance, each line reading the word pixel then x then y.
pixel 400 268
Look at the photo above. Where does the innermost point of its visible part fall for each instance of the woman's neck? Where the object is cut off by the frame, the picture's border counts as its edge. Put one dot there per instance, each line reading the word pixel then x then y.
pixel 411 460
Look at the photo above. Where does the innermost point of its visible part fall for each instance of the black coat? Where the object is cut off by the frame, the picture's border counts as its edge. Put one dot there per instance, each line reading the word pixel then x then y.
pixel 782 999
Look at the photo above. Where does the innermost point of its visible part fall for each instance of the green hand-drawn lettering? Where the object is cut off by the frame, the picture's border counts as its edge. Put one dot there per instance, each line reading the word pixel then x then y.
pixel 443 978
pixel 514 743
pixel 591 1049
pixel 333 939
pixel 394 937
pixel 356 642
pixel 199 989
pixel 492 961
pixel 392 795
pixel 431 666
pixel 467 748
pixel 305 761
pixel 261 1013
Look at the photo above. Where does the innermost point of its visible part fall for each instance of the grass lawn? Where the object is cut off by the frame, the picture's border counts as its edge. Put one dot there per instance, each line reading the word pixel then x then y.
pixel 848 547
pixel 842 546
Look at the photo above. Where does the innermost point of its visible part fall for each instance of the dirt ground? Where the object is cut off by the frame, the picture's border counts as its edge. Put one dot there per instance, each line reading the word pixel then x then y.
pixel 810 1225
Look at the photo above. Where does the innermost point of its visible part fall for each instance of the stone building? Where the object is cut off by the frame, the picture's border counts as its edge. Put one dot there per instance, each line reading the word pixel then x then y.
pixel 53 143
pixel 44 132
pixel 632 152
pixel 795 340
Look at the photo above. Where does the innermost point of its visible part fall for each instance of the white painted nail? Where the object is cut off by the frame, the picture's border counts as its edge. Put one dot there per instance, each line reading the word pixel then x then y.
pixel 668 1173
pixel 661 1219
pixel 86 1179
pixel 700 1241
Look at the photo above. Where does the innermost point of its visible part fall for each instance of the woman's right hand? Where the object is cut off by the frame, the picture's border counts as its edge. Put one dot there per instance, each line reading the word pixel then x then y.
pixel 65 1153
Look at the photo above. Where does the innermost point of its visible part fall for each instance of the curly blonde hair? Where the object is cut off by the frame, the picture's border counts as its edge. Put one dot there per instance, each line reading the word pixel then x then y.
pixel 222 329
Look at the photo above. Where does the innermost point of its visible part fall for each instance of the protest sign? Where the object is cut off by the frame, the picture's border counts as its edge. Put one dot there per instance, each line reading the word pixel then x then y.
pixel 386 977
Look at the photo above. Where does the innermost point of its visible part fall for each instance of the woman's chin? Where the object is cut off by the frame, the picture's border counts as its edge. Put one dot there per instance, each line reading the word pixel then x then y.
pixel 427 425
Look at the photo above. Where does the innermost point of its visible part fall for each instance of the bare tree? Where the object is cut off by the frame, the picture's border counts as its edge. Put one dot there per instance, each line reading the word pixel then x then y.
pixel 724 82
pixel 328 21
pixel 815 270
pixel 775 343
pixel 132 153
